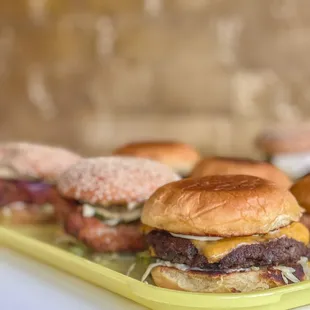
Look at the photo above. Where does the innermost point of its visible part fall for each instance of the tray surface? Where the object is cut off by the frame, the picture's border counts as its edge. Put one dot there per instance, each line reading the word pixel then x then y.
pixel 39 242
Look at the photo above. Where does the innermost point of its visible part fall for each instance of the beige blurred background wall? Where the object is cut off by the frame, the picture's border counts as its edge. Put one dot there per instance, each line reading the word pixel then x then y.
pixel 94 74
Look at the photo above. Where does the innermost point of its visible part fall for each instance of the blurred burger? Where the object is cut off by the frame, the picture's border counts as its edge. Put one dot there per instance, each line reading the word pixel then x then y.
pixel 227 165
pixel 287 147
pixel 111 192
pixel 27 174
pixel 180 157
pixel 301 190
pixel 231 233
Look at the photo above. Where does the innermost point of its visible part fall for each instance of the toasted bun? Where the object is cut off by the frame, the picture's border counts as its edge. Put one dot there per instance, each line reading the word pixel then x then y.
pixel 114 180
pixel 34 161
pixel 204 282
pixel 226 165
pixel 301 190
pixel 225 206
pixel 285 139
pixel 179 156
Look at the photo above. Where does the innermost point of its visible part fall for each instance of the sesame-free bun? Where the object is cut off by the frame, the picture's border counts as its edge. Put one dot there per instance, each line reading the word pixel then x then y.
pixel 226 165
pixel 301 190
pixel 281 139
pixel 180 157
pixel 114 180
pixel 19 160
pixel 224 206
pixel 212 282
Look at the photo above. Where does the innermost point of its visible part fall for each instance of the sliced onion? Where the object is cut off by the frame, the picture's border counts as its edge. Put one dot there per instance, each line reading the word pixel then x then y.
pixel 198 238
pixel 304 264
pixel 130 269
pixel 287 272
pixel 111 222
pixel 88 211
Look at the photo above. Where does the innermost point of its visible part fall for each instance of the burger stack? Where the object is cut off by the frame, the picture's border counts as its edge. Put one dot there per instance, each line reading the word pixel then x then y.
pixel 230 225
pixel 28 173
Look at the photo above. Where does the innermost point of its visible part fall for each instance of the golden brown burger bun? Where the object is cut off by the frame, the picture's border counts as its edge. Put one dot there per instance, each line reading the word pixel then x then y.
pixel 180 157
pixel 226 165
pixel 19 160
pixel 301 190
pixel 114 180
pixel 285 139
pixel 204 282
pixel 225 206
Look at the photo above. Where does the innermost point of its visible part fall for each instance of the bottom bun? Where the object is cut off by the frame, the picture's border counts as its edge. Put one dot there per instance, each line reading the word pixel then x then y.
pixel 212 282
pixel 22 213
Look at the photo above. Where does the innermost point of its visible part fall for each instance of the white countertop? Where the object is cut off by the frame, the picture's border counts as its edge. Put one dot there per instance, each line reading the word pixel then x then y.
pixel 29 284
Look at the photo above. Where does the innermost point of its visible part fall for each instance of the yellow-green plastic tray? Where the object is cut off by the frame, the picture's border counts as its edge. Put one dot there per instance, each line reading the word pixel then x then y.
pixel 37 242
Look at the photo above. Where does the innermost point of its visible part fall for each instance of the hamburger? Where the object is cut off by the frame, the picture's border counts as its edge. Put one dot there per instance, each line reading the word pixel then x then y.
pixel 229 165
pixel 27 176
pixel 180 157
pixel 301 191
pixel 110 192
pixel 287 148
pixel 219 234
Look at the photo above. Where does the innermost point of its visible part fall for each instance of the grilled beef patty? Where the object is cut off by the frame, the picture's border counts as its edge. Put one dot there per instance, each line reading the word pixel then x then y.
pixel 100 237
pixel 282 251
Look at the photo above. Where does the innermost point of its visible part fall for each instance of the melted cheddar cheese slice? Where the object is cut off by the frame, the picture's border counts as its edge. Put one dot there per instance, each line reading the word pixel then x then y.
pixel 214 251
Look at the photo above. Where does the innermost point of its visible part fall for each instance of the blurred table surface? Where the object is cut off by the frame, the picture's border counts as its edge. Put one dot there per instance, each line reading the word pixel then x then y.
pixel 28 284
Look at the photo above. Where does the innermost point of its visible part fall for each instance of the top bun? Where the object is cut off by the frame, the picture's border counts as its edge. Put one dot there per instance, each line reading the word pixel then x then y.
pixel 225 206
pixel 285 139
pixel 301 190
pixel 114 180
pixel 226 165
pixel 19 160
pixel 179 156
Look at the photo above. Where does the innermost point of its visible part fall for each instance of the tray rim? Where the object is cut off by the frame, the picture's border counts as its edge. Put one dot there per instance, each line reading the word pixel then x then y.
pixel 25 244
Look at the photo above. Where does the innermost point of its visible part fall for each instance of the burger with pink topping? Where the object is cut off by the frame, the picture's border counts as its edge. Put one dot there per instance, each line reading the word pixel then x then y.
pixel 111 192
pixel 27 174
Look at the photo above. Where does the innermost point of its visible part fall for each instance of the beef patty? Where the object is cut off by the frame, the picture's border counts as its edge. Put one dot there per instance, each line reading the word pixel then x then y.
pixel 282 251
pixel 100 237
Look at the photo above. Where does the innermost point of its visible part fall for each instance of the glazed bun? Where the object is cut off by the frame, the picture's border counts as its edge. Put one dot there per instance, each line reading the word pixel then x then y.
pixel 301 190
pixel 285 139
pixel 226 165
pixel 204 282
pixel 180 157
pixel 114 180
pixel 34 161
pixel 224 206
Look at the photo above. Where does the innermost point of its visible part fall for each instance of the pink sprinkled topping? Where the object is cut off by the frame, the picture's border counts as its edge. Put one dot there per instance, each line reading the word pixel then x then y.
pixel 36 161
pixel 108 180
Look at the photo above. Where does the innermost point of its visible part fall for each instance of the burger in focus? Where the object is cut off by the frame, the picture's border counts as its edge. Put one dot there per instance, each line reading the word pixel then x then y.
pixel 220 234
pixel 301 191
pixel 110 192
pixel 226 165
pixel 27 176
pixel 180 157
